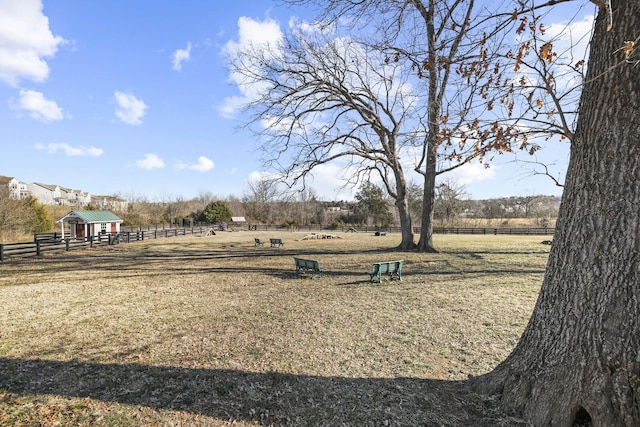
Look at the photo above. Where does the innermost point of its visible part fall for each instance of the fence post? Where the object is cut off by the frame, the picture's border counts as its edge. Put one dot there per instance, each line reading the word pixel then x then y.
pixel 1 252
pixel 38 248
pixel 66 241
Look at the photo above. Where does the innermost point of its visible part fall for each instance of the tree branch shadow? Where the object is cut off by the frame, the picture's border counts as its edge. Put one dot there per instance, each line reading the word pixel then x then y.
pixel 264 398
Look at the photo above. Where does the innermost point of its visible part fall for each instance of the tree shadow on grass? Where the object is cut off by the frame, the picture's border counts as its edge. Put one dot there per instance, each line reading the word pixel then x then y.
pixel 197 262
pixel 263 398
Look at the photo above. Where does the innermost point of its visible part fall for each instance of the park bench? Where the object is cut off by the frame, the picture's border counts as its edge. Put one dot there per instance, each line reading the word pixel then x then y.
pixel 392 268
pixel 276 242
pixel 258 242
pixel 308 266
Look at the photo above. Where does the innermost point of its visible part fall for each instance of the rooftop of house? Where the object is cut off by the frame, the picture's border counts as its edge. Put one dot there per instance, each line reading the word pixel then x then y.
pixel 92 216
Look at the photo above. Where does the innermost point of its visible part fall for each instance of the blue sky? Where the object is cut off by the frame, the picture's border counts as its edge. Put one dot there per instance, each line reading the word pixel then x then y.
pixel 134 98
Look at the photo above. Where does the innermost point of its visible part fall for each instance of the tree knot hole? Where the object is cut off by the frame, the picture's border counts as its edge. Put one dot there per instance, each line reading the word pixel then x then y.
pixel 581 418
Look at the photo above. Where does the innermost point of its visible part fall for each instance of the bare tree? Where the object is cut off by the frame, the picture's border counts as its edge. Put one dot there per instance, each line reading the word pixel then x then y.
pixel 485 93
pixel 449 201
pixel 306 206
pixel 540 99
pixel 456 51
pixel 326 100
pixel 260 197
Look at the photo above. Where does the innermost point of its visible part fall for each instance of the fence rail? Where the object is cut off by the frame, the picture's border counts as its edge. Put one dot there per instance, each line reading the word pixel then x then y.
pixel 541 231
pixel 50 242
pixel 527 231
pixel 530 231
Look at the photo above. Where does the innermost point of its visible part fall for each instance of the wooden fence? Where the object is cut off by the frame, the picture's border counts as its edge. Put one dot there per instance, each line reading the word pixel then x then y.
pixel 541 231
pixel 531 231
pixel 50 242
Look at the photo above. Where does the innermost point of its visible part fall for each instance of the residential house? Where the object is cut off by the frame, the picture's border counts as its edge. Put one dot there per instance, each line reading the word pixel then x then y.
pixel 83 197
pixel 109 203
pixel 17 189
pixel 69 196
pixel 46 194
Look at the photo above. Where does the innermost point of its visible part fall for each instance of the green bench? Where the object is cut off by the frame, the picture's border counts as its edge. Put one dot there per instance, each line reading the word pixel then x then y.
pixel 308 266
pixel 276 242
pixel 391 268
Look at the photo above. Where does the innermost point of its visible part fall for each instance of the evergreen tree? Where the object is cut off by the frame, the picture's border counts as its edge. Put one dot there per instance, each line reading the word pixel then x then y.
pixel 215 212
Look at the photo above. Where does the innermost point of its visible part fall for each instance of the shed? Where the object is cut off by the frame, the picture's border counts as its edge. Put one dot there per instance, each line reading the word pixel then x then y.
pixel 82 224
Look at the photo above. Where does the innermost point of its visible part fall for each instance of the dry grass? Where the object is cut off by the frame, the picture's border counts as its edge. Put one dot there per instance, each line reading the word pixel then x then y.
pixel 214 331
pixel 497 222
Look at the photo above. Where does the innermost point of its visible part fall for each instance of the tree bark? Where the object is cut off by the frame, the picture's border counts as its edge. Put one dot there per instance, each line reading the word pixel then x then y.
pixel 406 228
pixel 402 204
pixel 578 361
pixel 425 244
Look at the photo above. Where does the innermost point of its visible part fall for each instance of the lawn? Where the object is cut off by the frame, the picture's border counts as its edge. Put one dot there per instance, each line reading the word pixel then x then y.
pixel 213 331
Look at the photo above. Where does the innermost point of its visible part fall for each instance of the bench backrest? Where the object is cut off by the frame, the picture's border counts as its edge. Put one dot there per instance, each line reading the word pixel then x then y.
pixel 387 267
pixel 307 263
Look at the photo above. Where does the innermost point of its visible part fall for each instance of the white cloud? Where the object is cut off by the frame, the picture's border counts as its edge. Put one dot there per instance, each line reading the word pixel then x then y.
pixel 325 28
pixel 180 56
pixel 571 40
pixel 253 35
pixel 231 106
pixel 328 181
pixel 38 106
pixel 69 150
pixel 130 109
pixel 471 173
pixel 25 40
pixel 203 165
pixel 150 161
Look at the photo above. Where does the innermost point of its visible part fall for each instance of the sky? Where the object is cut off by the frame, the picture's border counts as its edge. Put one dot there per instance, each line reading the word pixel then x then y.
pixel 135 99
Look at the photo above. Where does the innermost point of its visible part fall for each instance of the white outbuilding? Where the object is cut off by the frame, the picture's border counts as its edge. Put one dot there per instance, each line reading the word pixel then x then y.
pixel 82 224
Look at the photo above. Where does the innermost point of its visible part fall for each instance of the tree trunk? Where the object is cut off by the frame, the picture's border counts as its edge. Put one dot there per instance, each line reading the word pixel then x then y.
pixel 578 361
pixel 407 243
pixel 425 244
pixel 434 103
pixel 404 214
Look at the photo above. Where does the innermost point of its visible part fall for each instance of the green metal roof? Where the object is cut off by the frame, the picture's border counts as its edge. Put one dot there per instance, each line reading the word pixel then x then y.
pixel 93 216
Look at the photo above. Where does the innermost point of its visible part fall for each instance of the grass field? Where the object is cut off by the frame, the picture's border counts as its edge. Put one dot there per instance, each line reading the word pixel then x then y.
pixel 212 331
